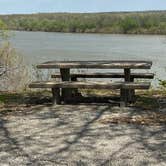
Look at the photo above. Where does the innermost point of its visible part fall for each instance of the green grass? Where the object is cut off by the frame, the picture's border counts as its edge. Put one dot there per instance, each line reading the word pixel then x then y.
pixel 22 97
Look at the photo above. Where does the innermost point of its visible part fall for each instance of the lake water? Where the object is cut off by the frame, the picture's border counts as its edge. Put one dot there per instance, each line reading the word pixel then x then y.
pixel 42 46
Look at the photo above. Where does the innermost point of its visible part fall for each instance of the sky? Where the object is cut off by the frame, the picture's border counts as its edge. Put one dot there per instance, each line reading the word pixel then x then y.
pixel 78 6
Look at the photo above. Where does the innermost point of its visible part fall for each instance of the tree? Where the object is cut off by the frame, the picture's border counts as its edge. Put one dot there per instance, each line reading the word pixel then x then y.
pixel 129 24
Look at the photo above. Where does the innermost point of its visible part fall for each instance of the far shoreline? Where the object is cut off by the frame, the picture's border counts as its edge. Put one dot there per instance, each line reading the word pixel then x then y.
pixel 92 33
pixel 144 23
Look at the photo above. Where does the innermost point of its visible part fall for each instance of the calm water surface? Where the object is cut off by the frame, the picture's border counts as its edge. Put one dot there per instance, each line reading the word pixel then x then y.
pixel 42 46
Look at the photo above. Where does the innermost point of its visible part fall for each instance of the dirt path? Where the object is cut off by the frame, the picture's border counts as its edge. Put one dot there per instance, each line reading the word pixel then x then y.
pixel 73 135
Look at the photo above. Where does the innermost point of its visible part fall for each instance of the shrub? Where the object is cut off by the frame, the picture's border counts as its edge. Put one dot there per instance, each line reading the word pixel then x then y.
pixel 13 72
pixel 129 24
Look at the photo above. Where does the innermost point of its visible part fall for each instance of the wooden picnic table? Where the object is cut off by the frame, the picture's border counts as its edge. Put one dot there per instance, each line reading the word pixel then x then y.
pixel 65 67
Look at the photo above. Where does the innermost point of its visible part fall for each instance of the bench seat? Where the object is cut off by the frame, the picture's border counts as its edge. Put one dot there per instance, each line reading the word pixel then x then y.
pixel 78 84
pixel 107 75
pixel 55 86
pixel 90 84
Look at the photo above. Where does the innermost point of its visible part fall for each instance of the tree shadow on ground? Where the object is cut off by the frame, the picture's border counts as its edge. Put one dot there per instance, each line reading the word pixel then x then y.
pixel 63 134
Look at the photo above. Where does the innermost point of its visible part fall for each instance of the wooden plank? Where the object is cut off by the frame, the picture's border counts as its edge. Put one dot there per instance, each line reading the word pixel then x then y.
pixel 90 84
pixel 96 64
pixel 136 85
pixel 106 75
pixel 78 84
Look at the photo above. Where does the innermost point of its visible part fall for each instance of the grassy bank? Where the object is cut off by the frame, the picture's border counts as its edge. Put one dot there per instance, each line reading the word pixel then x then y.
pixel 152 22
pixel 145 99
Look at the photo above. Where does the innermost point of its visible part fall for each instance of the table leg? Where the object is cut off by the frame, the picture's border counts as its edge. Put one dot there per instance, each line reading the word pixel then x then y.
pixel 56 96
pixel 127 74
pixel 65 75
pixel 132 92
pixel 123 99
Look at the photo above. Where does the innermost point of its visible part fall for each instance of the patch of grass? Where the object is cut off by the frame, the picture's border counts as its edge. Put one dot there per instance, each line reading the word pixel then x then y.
pixel 150 99
pixel 146 102
pixel 22 97
pixel 154 92
pixel 9 97
pixel 145 99
pixel 2 99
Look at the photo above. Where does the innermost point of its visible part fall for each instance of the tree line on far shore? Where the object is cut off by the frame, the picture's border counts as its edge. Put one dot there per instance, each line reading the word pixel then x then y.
pixel 152 22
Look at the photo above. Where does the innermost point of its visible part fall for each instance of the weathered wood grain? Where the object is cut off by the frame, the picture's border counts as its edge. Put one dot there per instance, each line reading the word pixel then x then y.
pixel 90 84
pixel 106 75
pixel 136 85
pixel 96 64
pixel 78 84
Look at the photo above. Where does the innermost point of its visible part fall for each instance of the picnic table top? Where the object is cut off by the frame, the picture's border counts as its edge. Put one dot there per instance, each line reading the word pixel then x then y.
pixel 96 64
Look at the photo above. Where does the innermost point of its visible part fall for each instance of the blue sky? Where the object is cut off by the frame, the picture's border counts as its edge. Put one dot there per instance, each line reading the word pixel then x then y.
pixel 36 6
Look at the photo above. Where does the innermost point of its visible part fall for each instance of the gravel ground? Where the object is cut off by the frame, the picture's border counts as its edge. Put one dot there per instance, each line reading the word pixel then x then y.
pixel 73 135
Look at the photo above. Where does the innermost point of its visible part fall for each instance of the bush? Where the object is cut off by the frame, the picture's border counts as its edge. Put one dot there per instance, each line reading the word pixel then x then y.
pixel 129 24
pixel 13 72
pixel 162 83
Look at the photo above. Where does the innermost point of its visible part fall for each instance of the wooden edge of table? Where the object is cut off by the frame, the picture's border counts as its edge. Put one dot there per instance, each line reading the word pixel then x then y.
pixel 97 64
